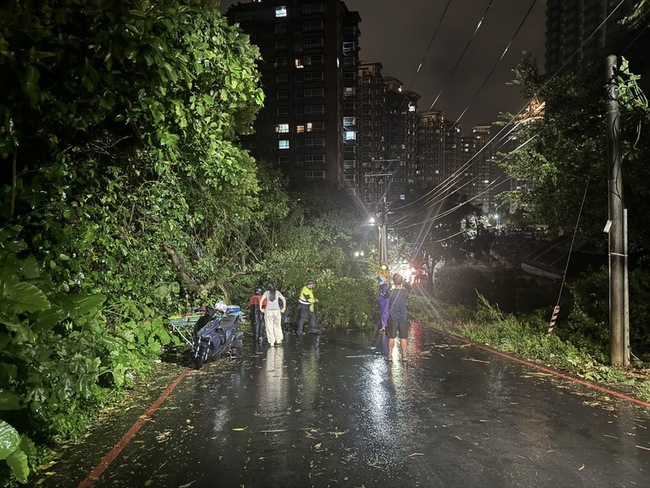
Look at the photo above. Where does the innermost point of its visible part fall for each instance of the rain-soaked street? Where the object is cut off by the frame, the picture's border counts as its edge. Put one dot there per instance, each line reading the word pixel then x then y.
pixel 329 411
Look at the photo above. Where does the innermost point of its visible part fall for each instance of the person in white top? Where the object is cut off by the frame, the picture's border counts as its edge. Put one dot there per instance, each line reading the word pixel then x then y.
pixel 272 305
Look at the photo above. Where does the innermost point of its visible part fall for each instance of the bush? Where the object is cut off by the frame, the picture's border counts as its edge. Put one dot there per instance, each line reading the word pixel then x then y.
pixel 588 321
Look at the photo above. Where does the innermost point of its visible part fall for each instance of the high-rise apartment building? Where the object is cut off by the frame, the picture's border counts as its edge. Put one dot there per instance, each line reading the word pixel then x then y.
pixel 310 51
pixel 582 31
pixel 372 123
pixel 453 145
pixel 431 164
pixel 401 131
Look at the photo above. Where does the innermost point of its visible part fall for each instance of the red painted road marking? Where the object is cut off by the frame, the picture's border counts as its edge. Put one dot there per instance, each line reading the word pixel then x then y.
pixel 117 448
pixel 112 455
pixel 593 386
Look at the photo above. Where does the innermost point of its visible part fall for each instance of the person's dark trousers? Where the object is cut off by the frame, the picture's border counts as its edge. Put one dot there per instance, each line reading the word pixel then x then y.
pixel 313 328
pixel 303 310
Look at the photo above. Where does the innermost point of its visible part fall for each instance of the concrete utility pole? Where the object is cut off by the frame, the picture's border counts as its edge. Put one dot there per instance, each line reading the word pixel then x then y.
pixel 382 215
pixel 619 353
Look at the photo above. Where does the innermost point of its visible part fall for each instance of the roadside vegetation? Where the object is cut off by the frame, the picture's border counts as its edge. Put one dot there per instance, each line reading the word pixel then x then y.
pixel 126 198
pixel 578 344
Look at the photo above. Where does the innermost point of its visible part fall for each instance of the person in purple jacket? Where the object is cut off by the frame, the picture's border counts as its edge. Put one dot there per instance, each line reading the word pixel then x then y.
pixel 383 302
pixel 383 312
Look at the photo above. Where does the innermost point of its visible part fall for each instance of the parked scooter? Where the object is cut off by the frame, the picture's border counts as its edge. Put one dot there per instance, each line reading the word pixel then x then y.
pixel 216 333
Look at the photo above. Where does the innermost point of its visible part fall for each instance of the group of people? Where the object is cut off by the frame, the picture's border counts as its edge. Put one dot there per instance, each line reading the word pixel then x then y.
pixel 267 310
pixel 392 307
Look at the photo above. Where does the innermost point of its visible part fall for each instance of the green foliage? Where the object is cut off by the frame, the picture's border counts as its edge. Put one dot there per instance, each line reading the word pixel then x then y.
pixel 588 321
pixel 55 350
pixel 568 151
pixel 527 338
pixel 346 302
pixel 13 451
pixel 135 148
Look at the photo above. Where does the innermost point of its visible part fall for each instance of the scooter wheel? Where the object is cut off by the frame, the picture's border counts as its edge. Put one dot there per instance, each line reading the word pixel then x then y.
pixel 202 355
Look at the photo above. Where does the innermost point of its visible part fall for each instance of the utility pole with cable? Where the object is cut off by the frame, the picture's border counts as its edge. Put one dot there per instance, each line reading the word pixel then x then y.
pixel 382 216
pixel 619 350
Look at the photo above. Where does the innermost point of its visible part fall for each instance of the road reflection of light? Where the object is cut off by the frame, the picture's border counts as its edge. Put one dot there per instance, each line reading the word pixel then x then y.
pixel 308 372
pixel 273 397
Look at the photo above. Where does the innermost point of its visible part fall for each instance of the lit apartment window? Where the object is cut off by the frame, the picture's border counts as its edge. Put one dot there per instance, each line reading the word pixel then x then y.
pixel 349 91
pixel 348 121
pixel 282 128
pixel 315 126
pixel 298 63
pixel 350 135
pixel 284 160
pixel 283 144
pixel 281 11
pixel 349 47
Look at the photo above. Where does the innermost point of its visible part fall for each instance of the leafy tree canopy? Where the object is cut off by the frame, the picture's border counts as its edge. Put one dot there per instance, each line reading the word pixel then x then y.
pixel 565 154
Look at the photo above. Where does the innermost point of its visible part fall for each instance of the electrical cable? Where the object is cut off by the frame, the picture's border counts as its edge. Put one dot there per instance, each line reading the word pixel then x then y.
pixel 460 58
pixel 435 33
pixel 566 267
pixel 521 24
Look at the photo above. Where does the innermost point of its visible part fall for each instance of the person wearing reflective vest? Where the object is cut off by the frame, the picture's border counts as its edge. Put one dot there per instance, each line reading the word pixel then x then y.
pixel 306 301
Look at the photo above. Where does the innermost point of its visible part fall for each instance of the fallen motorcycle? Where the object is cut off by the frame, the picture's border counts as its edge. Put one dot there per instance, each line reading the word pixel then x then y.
pixel 216 333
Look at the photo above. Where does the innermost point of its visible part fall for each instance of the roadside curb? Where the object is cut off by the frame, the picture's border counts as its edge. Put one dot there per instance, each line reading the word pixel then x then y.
pixel 122 443
pixel 547 370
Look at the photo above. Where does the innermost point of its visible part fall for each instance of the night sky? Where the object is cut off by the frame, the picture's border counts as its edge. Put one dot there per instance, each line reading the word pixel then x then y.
pixel 397 33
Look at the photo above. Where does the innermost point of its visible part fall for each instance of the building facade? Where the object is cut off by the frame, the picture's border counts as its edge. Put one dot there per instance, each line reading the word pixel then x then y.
pixel 581 31
pixel 310 52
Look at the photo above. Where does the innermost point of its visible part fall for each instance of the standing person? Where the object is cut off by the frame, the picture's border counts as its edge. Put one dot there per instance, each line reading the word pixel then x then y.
pixel 306 302
pixel 272 310
pixel 383 311
pixel 256 317
pixel 383 302
pixel 397 322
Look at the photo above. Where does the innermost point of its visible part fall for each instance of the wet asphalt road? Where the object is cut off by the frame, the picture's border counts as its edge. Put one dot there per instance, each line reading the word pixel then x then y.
pixel 328 411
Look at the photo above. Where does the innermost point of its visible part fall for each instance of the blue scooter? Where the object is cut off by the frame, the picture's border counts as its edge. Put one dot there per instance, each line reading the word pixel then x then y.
pixel 216 333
